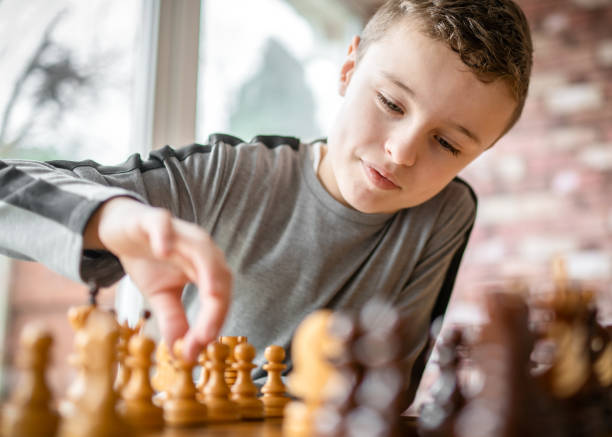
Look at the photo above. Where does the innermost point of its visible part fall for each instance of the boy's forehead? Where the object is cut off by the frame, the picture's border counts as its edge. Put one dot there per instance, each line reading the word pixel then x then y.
pixel 407 40
pixel 406 44
pixel 402 35
pixel 404 50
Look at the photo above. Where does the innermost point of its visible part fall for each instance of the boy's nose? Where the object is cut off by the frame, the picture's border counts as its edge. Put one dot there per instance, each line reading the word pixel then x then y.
pixel 401 152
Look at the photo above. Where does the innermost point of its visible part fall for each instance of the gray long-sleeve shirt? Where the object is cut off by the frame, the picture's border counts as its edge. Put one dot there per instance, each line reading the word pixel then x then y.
pixel 291 246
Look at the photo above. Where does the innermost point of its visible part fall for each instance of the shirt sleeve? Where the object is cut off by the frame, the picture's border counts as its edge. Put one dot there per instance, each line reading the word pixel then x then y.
pixel 45 206
pixel 428 290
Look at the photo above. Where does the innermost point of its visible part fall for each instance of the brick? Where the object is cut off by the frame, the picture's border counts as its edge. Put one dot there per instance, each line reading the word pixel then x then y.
pixel 511 168
pixel 522 270
pixel 543 83
pixel 556 22
pixel 598 156
pixel 490 251
pixel 565 182
pixel 603 53
pixel 589 265
pixel 575 99
pixel 501 209
pixel 544 248
pixel 592 4
pixel 572 137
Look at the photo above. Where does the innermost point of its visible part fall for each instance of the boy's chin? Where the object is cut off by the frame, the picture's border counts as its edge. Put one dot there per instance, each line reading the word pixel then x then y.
pixel 371 207
pixel 368 205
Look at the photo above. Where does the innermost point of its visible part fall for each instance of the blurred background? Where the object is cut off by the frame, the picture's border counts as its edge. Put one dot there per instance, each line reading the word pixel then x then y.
pixel 107 78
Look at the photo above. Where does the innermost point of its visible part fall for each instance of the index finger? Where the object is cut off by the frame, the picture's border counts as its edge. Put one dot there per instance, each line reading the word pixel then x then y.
pixel 211 275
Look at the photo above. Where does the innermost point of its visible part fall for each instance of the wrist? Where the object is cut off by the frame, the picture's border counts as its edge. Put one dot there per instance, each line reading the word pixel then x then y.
pixel 91 235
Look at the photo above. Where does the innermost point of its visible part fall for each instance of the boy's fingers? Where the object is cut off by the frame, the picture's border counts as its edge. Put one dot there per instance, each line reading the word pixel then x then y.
pixel 204 264
pixel 207 325
pixel 193 252
pixel 215 290
pixel 168 309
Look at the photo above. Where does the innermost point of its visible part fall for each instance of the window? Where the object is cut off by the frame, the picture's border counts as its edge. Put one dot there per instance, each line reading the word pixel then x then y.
pixel 72 78
pixel 271 66
pixel 68 70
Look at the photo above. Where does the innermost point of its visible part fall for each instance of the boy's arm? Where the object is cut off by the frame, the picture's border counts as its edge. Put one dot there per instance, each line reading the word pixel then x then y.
pixel 43 213
pixel 91 222
pixel 44 206
pixel 426 295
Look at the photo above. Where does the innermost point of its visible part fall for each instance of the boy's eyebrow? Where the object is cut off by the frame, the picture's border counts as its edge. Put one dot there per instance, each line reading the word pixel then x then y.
pixel 399 83
pixel 465 131
pixel 468 133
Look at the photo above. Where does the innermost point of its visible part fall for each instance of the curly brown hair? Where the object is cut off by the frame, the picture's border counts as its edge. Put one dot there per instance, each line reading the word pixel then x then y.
pixel 491 37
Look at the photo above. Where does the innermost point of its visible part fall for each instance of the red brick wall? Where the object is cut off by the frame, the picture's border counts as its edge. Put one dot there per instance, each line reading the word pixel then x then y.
pixel 546 188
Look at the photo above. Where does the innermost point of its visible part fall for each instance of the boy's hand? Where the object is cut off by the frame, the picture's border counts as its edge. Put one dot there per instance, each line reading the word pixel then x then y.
pixel 162 254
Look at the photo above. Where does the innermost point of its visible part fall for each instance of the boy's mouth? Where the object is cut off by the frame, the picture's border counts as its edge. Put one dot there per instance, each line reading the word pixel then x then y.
pixel 378 177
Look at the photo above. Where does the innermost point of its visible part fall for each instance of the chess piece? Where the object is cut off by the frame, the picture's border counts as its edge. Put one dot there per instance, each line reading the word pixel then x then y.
pixel 510 398
pixel 137 406
pixel 125 334
pixel 95 412
pixel 77 317
pixel 274 390
pixel 164 373
pixel 438 417
pixel 203 378
pixel 230 372
pixel 363 395
pixel 559 273
pixel 29 411
pixel 244 391
pixel 311 373
pixel 603 362
pixel 123 371
pixel 182 407
pixel 216 392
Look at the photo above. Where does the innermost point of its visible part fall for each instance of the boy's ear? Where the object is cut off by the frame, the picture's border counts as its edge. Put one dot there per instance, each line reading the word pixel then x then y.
pixel 348 68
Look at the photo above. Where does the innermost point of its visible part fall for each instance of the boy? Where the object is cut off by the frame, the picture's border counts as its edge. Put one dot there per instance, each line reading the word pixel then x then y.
pixel 292 227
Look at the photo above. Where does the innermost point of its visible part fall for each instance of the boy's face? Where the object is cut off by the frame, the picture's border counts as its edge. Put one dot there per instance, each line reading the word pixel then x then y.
pixel 412 117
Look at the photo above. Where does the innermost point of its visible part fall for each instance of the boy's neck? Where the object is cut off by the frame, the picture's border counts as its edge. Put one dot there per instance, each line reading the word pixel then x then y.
pixel 326 176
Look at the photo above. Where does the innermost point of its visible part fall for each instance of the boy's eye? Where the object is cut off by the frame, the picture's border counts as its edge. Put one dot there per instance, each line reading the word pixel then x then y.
pixel 389 104
pixel 447 146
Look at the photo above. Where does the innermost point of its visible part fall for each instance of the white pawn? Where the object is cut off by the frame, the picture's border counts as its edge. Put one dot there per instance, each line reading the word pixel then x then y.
pixel 216 392
pixel 137 407
pixel 203 379
pixel 274 391
pixel 244 391
pixel 29 411
pixel 232 342
pixel 182 408
pixel 164 373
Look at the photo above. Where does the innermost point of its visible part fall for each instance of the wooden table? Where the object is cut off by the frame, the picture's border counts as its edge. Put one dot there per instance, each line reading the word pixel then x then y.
pixel 266 428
